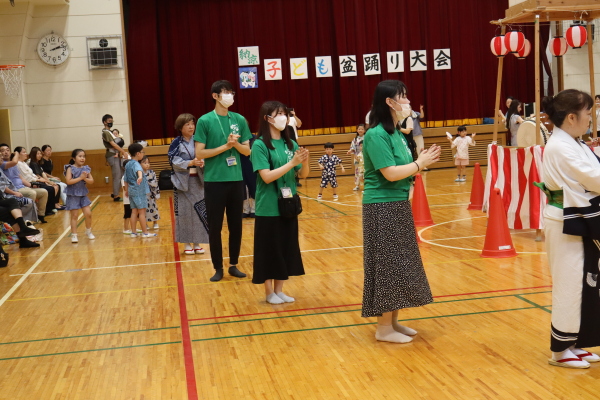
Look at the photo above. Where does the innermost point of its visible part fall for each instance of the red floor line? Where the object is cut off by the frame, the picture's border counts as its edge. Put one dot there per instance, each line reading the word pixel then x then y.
pixel 190 373
pixel 353 305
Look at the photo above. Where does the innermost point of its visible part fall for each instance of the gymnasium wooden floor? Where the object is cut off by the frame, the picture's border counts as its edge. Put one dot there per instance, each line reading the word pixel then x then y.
pixel 122 318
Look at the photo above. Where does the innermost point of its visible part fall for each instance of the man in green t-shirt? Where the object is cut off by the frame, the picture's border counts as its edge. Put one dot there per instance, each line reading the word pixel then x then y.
pixel 221 136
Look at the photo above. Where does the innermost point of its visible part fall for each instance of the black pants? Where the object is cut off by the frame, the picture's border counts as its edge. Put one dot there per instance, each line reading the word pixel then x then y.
pixel 6 206
pixel 53 196
pixel 224 197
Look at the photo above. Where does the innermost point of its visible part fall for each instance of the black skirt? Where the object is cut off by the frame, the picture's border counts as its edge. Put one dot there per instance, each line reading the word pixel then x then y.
pixel 276 249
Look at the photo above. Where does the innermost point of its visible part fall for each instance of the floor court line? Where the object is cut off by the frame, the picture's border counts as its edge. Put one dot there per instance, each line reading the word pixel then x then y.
pixel 188 356
pixel 175 262
pixel 271 333
pixel 462 248
pixel 38 262
pixel 87 351
pixel 358 309
pixel 366 323
pixel 358 304
pixel 260 319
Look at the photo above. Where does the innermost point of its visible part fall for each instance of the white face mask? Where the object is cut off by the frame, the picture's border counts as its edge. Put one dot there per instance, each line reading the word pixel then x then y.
pixel 226 100
pixel 404 112
pixel 280 122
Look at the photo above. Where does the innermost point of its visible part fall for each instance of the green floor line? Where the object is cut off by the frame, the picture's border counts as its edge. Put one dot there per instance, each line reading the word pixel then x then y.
pixel 322 203
pixel 366 323
pixel 344 311
pixel 532 303
pixel 88 351
pixel 93 334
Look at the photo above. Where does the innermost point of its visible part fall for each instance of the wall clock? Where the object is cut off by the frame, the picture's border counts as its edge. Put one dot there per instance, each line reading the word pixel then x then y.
pixel 53 49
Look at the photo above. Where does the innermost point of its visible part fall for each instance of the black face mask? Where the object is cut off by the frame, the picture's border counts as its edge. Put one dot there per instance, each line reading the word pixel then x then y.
pixel 109 124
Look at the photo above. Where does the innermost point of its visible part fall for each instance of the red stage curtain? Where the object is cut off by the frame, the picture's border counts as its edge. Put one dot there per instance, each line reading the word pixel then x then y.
pixel 177 48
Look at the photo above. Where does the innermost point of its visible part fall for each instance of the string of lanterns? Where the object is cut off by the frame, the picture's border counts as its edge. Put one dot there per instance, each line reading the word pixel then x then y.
pixel 514 42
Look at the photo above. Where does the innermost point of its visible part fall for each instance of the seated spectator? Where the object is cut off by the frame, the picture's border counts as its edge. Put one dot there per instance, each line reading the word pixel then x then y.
pixel 35 156
pixel 9 191
pixel 9 166
pixel 48 166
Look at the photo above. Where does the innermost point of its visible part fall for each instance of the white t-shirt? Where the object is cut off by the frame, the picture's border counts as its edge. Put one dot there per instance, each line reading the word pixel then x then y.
pixel 125 197
pixel 294 124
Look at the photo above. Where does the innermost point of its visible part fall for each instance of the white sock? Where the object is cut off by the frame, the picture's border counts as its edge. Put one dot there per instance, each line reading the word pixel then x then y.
pixel 405 330
pixel 274 299
pixel 386 333
pixel 188 247
pixel 285 297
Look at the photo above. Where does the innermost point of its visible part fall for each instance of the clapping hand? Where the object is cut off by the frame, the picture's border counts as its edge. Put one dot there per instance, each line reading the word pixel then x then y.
pixel 232 140
pixel 429 156
pixel 300 156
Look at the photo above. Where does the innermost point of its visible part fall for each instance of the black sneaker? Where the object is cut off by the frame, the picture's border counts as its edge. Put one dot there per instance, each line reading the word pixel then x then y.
pixel 27 232
pixel 41 219
pixel 117 198
pixel 25 243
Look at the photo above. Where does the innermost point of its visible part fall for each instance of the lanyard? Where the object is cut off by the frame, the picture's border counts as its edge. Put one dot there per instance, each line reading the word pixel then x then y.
pixel 185 147
pixel 222 131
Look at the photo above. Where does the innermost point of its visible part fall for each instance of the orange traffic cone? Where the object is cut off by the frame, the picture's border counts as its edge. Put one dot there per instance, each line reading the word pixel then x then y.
pixel 498 243
pixel 420 206
pixel 476 190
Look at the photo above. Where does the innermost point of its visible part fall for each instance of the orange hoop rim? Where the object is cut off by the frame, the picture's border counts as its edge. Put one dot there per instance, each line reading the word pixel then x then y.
pixel 11 66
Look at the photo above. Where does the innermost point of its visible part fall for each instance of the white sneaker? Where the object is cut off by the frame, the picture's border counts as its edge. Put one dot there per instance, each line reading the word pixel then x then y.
pixel 90 235
pixel 155 226
pixel 457 179
pixel 335 197
pixel 199 250
pixel 149 235
pixel 356 188
pixel 319 197
pixel 127 232
pixel 74 238
pixel 274 299
pixel 285 297
pixel 133 235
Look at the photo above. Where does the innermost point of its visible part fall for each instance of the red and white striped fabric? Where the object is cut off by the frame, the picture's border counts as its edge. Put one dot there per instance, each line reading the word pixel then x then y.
pixel 576 36
pixel 498 47
pixel 514 41
pixel 513 171
pixel 558 46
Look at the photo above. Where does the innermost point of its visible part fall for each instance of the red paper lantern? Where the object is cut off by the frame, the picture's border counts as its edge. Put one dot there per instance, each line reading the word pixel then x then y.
pixel 558 46
pixel 514 41
pixel 524 52
pixel 498 47
pixel 576 36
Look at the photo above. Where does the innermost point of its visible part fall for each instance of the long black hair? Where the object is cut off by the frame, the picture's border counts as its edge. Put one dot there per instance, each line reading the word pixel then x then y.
pixel 264 127
pixel 513 109
pixel 380 110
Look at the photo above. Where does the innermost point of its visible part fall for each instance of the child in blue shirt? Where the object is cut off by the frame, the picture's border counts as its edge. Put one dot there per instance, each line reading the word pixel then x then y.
pixel 136 187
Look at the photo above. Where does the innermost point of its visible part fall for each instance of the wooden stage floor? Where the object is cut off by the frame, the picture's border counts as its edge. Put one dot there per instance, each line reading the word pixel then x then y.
pixel 123 318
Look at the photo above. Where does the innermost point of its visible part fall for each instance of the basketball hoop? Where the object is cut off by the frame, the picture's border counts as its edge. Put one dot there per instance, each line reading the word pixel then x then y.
pixel 11 76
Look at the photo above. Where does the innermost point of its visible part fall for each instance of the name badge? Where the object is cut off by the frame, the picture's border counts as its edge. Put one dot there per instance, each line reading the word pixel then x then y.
pixel 231 161
pixel 286 193
pixel 193 171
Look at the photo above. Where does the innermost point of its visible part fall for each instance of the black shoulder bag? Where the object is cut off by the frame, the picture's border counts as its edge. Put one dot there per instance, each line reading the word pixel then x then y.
pixel 289 207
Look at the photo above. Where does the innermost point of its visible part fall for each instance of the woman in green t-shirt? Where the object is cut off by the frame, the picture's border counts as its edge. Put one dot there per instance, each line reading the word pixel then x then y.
pixel 394 273
pixel 276 158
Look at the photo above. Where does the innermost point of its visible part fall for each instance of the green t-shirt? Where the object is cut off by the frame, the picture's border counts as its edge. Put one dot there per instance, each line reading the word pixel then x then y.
pixel 267 194
pixel 381 150
pixel 213 130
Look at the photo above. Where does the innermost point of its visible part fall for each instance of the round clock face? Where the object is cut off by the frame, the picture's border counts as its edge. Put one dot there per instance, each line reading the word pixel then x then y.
pixel 53 49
